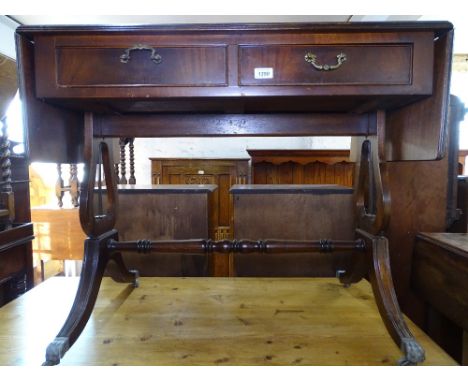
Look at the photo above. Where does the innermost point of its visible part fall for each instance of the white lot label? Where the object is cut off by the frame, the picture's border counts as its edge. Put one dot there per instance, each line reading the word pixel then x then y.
pixel 263 73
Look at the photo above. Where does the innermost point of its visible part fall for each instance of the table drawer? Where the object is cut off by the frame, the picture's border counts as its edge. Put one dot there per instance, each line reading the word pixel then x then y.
pixel 140 65
pixel 347 64
pixel 179 65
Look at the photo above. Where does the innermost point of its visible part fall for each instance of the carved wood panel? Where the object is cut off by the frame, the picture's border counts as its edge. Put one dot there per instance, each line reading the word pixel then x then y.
pixel 199 179
pixel 222 172
pixel 302 167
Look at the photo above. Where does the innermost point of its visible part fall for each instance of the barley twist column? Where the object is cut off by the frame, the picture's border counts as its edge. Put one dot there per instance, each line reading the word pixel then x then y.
pixel 132 179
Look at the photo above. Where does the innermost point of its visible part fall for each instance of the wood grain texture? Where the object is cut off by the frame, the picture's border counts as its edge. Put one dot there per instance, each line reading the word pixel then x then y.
pixel 207 246
pixel 439 281
pixel 448 241
pixel 58 57
pixel 309 215
pixel 301 167
pixel 223 173
pixel 440 273
pixel 232 124
pixel 94 264
pixel 364 64
pixel 425 205
pixel 46 124
pixel 97 213
pixel 167 214
pixel 439 27
pixel 16 259
pixel 418 131
pixel 380 277
pixel 106 97
pixel 291 212
pixel 58 235
pixel 418 203
pixel 329 96
pixel 163 212
pixel 216 321
pixel 15 262
pixel 180 66
pixel 300 156
pixel 443 332
pixel 422 207
pixel 20 185
pixel 16 265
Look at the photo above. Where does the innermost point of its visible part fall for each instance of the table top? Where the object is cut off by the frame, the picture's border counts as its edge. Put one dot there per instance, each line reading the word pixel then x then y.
pixel 327 189
pixel 166 188
pixel 451 241
pixel 318 26
pixel 209 321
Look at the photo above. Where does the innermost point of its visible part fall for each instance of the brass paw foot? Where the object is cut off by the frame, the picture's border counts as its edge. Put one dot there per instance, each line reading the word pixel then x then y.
pixel 413 352
pixel 56 350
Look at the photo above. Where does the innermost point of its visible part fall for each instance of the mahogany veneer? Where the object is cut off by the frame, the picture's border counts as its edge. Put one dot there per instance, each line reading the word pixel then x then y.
pixel 384 83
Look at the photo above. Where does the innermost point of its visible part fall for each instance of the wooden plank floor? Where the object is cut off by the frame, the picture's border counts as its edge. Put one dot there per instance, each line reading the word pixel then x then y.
pixel 208 321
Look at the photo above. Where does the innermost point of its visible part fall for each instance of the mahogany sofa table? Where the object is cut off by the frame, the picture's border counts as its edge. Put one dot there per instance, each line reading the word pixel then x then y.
pixel 209 321
pixel 384 84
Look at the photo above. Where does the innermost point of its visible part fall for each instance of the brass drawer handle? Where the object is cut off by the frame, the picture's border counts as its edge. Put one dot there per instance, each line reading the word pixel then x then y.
pixel 155 57
pixel 312 59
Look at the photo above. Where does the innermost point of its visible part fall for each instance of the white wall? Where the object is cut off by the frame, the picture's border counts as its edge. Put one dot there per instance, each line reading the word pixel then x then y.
pixel 7 37
pixel 459 87
pixel 234 147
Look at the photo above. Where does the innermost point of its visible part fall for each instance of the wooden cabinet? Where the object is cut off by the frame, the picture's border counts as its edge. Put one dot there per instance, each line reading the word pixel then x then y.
pixel 223 173
pixel 302 167
pixel 16 263
pixel 165 212
pixel 460 225
pixel 440 278
pixel 291 212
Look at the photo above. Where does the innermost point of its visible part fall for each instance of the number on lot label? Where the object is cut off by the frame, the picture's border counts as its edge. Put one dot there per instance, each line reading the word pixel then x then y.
pixel 263 73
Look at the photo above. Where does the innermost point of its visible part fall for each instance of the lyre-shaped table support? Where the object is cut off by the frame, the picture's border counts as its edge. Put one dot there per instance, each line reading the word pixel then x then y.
pixel 99 226
pixel 372 216
pixel 369 252
pixel 96 257
pixel 377 259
